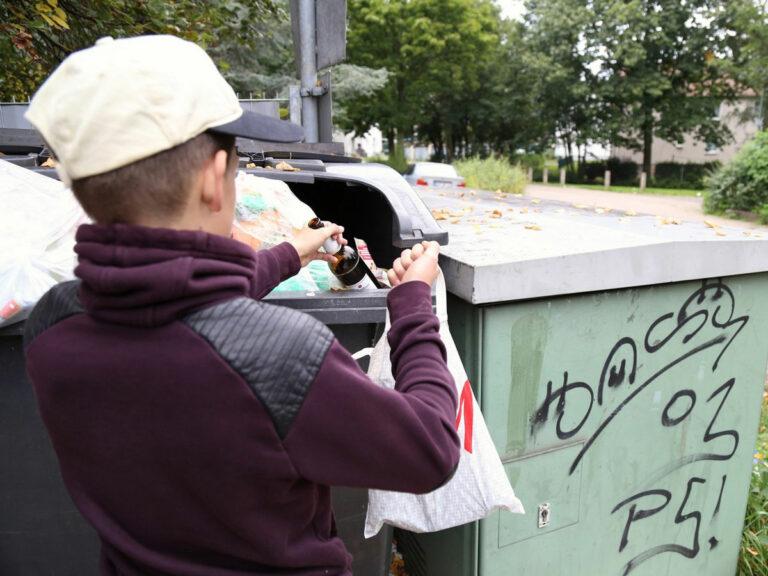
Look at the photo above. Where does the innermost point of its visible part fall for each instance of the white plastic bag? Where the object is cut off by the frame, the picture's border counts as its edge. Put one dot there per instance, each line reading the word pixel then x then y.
pixel 37 234
pixel 479 485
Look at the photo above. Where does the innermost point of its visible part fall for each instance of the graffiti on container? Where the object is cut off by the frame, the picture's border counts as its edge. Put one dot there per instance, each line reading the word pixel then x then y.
pixel 570 404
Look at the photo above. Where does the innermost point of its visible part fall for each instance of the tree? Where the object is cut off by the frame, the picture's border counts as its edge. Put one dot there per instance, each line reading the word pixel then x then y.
pixel 566 85
pixel 35 36
pixel 749 47
pixel 658 70
pixel 435 52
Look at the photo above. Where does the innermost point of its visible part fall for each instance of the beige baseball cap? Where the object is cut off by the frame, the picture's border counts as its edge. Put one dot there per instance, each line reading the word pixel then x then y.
pixel 124 100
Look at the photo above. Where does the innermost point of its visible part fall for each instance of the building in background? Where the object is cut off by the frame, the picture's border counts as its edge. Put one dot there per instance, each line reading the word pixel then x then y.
pixel 742 118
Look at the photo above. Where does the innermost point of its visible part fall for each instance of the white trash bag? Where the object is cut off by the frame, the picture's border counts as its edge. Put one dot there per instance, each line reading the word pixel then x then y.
pixel 37 234
pixel 479 485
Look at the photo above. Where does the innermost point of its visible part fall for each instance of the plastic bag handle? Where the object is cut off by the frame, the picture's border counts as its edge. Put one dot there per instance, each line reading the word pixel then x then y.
pixel 362 353
pixel 441 297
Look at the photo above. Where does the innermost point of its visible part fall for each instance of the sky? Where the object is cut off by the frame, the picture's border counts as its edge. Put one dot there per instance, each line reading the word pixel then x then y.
pixel 511 8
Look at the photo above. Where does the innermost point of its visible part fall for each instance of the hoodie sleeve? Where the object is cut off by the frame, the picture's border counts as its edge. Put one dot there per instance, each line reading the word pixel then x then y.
pixel 352 432
pixel 272 266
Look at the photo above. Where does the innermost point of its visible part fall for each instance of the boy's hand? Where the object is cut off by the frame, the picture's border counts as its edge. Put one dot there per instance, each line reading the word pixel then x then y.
pixel 308 242
pixel 417 263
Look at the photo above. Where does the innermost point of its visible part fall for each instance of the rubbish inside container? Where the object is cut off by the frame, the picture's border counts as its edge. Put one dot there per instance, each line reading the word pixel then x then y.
pixel 266 212
pixel 38 225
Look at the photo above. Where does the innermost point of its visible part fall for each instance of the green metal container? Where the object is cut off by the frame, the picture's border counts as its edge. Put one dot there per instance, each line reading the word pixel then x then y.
pixel 622 389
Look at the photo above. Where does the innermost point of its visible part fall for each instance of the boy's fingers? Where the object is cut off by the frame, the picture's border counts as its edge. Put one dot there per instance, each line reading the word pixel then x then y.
pixel 330 230
pixel 433 250
pixel 406 259
pixel 398 268
pixel 417 251
pixel 393 279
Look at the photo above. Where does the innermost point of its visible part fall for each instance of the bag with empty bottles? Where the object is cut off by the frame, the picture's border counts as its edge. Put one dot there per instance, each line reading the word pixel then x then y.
pixel 480 484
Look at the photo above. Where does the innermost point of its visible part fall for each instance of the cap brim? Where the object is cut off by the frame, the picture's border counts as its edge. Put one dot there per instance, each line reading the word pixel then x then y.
pixel 261 127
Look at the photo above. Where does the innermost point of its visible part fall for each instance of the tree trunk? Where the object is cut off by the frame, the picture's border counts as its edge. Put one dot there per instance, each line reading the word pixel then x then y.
pixel 391 141
pixel 647 140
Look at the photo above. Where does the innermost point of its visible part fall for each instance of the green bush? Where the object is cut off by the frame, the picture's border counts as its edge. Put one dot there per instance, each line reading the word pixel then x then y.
pixel 535 161
pixel 491 174
pixel 395 161
pixel 678 175
pixel 753 558
pixel 742 184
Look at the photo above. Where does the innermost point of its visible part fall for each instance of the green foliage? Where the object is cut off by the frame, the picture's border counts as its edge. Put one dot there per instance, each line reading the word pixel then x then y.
pixel 36 36
pixel 438 54
pixel 624 72
pixel 753 558
pixel 678 175
pixel 491 174
pixel 749 64
pixel 396 160
pixel 763 214
pixel 742 184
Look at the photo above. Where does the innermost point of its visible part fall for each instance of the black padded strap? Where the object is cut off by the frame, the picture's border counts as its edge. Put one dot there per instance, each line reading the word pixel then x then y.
pixel 58 303
pixel 277 351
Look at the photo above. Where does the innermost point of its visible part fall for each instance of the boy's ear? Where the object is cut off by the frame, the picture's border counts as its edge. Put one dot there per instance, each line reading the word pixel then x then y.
pixel 214 174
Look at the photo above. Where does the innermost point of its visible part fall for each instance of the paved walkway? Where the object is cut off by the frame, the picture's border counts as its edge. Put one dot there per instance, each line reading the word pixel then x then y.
pixel 686 208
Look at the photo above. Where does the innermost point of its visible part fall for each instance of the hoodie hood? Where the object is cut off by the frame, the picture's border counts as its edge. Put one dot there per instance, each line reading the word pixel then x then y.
pixel 146 277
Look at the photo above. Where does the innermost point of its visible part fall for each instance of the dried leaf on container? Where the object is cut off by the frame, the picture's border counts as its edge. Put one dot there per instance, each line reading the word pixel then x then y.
pixel 582 206
pixel 250 165
pixel 711 224
pixel 536 201
pixel 282 165
pixel 523 210
pixel 720 232
pixel 599 210
pixel 630 213
pixel 496 214
pixel 49 163
pixel 455 221
pixel 532 227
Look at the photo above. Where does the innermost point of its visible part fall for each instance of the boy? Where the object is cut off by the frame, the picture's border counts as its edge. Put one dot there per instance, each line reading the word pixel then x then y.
pixel 197 428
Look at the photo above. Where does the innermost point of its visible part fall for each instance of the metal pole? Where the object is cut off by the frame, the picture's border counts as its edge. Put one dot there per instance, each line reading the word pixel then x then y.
pixel 308 64
pixel 295 103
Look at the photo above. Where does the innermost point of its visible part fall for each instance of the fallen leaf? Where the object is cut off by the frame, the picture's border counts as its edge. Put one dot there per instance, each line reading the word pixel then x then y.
pixel 630 213
pixel 582 206
pixel 536 201
pixel 599 211
pixel 282 165
pixel 710 224
pixel 455 221
pixel 49 163
pixel 532 227
pixel 523 210
pixel 498 191
pixel 720 233
pixel 496 214
pixel 747 233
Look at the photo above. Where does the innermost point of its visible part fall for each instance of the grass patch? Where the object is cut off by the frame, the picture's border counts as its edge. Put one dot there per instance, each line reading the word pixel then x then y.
pixel 753 556
pixel 491 174
pixel 632 189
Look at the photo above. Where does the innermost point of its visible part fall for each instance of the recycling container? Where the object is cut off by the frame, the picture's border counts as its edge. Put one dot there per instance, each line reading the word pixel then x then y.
pixel 619 362
pixel 41 532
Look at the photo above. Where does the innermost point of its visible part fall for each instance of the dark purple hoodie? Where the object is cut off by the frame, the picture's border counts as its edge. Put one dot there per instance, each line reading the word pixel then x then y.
pixel 198 429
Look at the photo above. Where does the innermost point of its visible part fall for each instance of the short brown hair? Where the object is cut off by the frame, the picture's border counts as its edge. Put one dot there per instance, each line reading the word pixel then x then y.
pixel 157 185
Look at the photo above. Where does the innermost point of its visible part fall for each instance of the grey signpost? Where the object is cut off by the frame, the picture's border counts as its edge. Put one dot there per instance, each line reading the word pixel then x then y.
pixel 319 38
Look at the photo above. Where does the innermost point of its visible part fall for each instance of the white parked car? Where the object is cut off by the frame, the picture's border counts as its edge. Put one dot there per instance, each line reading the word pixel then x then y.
pixel 433 174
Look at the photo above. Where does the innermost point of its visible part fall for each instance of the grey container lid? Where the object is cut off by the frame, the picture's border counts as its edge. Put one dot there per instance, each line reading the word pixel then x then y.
pixel 576 249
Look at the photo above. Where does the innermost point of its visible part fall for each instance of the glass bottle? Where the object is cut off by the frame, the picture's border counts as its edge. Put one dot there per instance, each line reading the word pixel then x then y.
pixel 349 268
